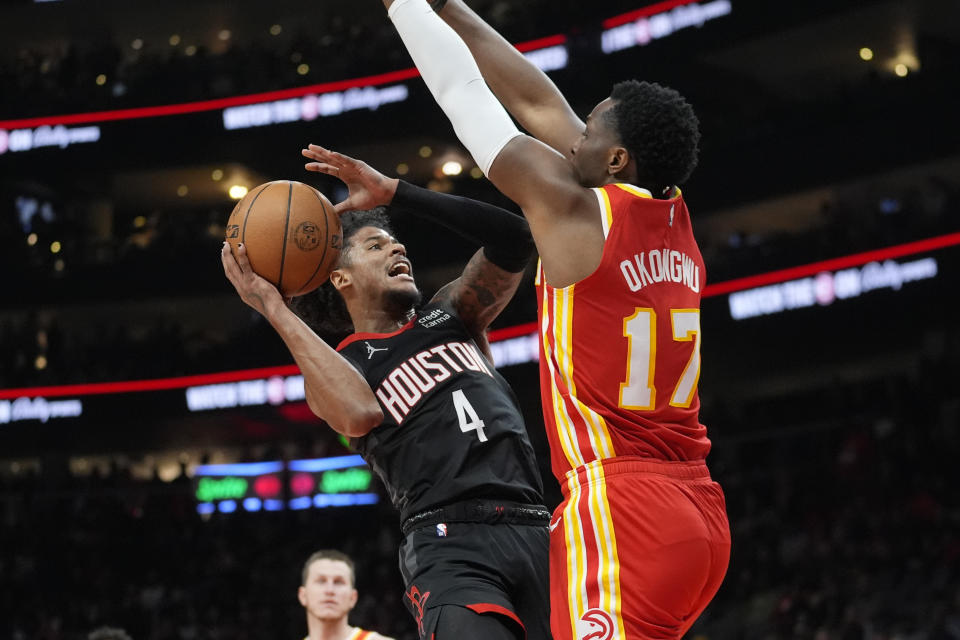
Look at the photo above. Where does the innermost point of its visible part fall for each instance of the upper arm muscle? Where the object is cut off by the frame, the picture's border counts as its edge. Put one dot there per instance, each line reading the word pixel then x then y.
pixel 564 216
pixel 480 294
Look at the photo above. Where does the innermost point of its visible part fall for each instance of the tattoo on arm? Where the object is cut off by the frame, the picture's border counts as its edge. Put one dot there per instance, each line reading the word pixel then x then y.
pixel 481 293
pixel 484 296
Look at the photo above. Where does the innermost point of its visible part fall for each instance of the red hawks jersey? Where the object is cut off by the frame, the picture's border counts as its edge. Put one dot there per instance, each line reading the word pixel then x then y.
pixel 620 350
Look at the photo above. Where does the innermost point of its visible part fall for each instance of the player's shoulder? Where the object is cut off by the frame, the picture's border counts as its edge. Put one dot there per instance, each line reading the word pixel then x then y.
pixel 373 635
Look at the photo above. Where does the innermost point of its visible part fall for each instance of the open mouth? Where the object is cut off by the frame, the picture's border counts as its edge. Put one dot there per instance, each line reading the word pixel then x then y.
pixel 400 270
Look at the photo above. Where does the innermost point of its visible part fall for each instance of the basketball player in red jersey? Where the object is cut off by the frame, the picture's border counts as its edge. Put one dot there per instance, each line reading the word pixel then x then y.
pixel 328 594
pixel 641 541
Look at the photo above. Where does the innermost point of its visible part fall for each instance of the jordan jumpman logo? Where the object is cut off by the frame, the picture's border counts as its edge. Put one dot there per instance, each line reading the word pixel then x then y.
pixel 372 349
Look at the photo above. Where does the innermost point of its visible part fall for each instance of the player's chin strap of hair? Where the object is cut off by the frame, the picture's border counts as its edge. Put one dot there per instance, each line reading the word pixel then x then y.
pixel 452 75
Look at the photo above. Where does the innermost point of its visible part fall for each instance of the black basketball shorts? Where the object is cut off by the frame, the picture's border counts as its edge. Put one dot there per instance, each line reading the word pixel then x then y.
pixel 492 560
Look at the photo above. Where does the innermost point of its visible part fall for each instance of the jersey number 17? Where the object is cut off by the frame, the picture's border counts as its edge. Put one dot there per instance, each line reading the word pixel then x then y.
pixel 637 392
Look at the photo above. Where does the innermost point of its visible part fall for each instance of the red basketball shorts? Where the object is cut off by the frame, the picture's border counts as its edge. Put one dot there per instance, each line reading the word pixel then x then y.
pixel 637 550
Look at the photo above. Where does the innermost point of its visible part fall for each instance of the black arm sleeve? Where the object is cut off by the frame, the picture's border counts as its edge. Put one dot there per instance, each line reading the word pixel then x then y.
pixel 504 236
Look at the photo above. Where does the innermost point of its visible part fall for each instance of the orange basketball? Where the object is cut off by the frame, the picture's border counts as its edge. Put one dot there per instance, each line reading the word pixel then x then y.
pixel 291 233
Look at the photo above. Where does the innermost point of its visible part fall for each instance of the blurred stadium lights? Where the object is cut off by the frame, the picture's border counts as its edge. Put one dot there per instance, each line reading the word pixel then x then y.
pixel 46 136
pixel 640 27
pixel 23 408
pixel 451 168
pixel 802 286
pixel 334 98
pixel 338 481
pixel 829 286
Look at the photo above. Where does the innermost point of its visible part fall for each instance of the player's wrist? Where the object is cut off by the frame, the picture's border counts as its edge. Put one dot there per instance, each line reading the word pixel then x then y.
pixel 275 309
pixel 390 189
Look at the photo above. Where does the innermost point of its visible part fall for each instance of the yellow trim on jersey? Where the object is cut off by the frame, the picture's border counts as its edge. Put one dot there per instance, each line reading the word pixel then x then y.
pixel 597 506
pixel 606 211
pixel 640 192
pixel 610 558
pixel 576 555
pixel 561 421
pixel 597 431
pixel 606 557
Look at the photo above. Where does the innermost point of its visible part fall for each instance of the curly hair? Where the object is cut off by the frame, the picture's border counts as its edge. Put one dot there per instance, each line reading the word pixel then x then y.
pixel 659 129
pixel 324 309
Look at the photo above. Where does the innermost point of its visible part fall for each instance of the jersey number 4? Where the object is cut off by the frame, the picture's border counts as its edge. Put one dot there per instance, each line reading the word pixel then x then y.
pixel 640 330
pixel 467 415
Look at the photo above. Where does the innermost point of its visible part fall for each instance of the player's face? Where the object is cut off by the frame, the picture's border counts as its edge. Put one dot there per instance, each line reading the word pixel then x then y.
pixel 593 152
pixel 378 267
pixel 328 593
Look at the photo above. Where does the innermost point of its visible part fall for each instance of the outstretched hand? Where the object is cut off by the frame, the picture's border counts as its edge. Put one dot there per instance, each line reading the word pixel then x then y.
pixel 254 290
pixel 368 188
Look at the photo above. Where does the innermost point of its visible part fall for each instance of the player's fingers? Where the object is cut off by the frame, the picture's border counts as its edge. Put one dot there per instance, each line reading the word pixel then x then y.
pixel 332 157
pixel 317 152
pixel 229 263
pixel 342 207
pixel 323 167
pixel 313 154
pixel 342 160
pixel 242 261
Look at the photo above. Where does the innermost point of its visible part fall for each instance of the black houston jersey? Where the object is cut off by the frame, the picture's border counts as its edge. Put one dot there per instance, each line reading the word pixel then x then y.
pixel 452 429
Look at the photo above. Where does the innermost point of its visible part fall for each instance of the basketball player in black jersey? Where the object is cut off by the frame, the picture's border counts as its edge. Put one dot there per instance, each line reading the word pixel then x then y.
pixel 416 393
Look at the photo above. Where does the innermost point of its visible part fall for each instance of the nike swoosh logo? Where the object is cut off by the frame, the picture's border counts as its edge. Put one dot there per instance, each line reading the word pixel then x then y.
pixel 554 525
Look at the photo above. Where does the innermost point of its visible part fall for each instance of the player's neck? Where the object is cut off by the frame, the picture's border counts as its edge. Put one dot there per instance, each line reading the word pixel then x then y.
pixel 328 629
pixel 369 320
pixel 627 175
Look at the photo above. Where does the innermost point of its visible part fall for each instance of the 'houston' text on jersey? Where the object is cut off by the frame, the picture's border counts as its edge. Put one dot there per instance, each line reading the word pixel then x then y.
pixel 452 429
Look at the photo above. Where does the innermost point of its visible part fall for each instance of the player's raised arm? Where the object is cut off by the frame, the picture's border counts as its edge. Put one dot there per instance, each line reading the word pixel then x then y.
pixel 493 274
pixel 563 215
pixel 526 91
pixel 336 392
